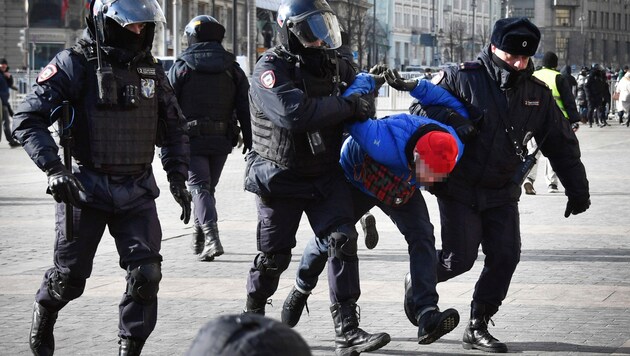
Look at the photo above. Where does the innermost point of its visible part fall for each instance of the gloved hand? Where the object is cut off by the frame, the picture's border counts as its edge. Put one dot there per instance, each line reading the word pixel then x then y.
pixel 397 82
pixel 376 73
pixel 464 128
pixel 576 206
pixel 363 106
pixel 181 194
pixel 64 186
pixel 575 126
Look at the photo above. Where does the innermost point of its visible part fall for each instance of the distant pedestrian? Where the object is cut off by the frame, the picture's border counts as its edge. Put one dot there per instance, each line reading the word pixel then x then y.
pixel 623 101
pixel 6 83
pixel 211 89
pixel 597 95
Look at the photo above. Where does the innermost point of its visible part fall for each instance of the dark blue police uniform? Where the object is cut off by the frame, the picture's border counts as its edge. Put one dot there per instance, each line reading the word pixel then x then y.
pixel 113 150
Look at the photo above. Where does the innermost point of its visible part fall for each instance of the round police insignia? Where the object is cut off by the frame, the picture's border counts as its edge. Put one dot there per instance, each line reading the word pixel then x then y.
pixel 48 72
pixel 268 79
pixel 437 78
pixel 524 43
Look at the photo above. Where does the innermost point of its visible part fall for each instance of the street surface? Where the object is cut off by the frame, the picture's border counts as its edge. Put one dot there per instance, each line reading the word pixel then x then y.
pixel 570 294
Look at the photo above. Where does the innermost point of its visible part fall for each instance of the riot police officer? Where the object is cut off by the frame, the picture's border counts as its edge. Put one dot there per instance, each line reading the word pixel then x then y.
pixel 212 89
pixel 122 106
pixel 298 119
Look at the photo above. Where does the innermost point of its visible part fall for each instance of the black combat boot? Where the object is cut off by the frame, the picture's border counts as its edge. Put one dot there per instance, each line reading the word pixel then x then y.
pixel 213 246
pixel 197 239
pixel 350 340
pixel 255 306
pixel 434 324
pixel 42 340
pixel 130 347
pixel 476 335
pixel 293 307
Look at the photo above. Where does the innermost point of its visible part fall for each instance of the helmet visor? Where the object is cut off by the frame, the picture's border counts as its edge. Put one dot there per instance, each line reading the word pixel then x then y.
pixel 319 30
pixel 126 12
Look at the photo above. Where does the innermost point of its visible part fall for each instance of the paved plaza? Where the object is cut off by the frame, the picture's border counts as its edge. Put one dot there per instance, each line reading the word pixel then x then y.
pixel 570 294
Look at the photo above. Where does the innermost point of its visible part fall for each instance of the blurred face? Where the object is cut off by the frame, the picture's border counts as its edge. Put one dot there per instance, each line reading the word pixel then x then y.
pixel 3 67
pixel 424 174
pixel 136 27
pixel 518 62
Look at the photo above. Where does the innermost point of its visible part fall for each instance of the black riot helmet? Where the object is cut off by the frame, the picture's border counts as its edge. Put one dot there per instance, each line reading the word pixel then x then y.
pixel 116 14
pixel 308 24
pixel 204 28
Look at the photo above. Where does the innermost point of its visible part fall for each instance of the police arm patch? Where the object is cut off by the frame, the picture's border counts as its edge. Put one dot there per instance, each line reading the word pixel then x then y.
pixel 268 79
pixel 48 72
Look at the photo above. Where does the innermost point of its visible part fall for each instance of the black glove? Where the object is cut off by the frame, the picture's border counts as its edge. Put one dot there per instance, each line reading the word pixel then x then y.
pixel 397 82
pixel 576 206
pixel 363 107
pixel 575 126
pixel 464 128
pixel 64 186
pixel 378 69
pixel 181 194
pixel 10 110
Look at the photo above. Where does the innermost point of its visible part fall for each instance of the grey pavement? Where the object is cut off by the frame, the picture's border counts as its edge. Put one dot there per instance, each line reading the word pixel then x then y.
pixel 570 294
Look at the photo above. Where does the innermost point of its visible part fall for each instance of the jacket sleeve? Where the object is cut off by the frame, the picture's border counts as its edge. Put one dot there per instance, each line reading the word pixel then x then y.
pixel 177 76
pixel 62 79
pixel 242 105
pixel 566 95
pixel 562 148
pixel 175 147
pixel 276 96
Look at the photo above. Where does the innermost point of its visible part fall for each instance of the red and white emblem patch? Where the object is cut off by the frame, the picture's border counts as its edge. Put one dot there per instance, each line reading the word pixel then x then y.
pixel 268 79
pixel 47 73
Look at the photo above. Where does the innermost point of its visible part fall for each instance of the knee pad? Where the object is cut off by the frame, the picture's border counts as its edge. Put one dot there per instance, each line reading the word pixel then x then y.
pixel 62 288
pixel 272 264
pixel 343 246
pixel 143 282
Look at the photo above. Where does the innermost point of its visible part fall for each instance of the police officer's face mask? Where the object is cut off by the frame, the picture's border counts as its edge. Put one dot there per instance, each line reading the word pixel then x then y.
pixel 120 37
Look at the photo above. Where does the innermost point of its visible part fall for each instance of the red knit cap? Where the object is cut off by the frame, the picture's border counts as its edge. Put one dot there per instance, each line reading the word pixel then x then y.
pixel 438 150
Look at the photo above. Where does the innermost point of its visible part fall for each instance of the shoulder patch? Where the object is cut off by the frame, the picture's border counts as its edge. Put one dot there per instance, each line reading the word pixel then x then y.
pixel 268 79
pixel 48 72
pixel 437 78
pixel 469 65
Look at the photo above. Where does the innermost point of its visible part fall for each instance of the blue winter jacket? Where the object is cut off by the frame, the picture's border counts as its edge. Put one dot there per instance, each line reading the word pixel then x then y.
pixel 387 140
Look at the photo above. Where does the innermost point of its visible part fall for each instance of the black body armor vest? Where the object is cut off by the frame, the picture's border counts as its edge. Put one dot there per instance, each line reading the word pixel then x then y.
pixel 122 136
pixel 293 150
pixel 212 115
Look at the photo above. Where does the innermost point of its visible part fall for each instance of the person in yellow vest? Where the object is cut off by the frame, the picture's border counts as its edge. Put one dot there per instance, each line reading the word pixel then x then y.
pixel 562 93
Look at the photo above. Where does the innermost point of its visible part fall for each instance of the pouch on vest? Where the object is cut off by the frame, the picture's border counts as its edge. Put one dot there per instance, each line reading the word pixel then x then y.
pixel 385 186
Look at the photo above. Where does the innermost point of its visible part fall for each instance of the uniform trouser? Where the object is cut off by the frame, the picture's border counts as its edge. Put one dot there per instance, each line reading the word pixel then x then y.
pixel 204 173
pixel 496 229
pixel 278 221
pixel 137 234
pixel 412 220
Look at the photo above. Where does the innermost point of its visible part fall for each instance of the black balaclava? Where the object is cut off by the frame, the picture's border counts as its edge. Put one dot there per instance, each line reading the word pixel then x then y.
pixel 119 37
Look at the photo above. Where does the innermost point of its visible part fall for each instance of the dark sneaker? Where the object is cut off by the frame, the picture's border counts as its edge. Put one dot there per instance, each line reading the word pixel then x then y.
pixel 553 189
pixel 435 324
pixel 529 188
pixel 368 223
pixel 293 307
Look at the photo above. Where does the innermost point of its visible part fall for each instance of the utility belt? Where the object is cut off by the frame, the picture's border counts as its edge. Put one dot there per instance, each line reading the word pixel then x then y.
pixel 207 127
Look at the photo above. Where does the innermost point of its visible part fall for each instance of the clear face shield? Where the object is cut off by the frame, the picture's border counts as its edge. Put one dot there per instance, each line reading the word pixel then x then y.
pixel 126 12
pixel 317 30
